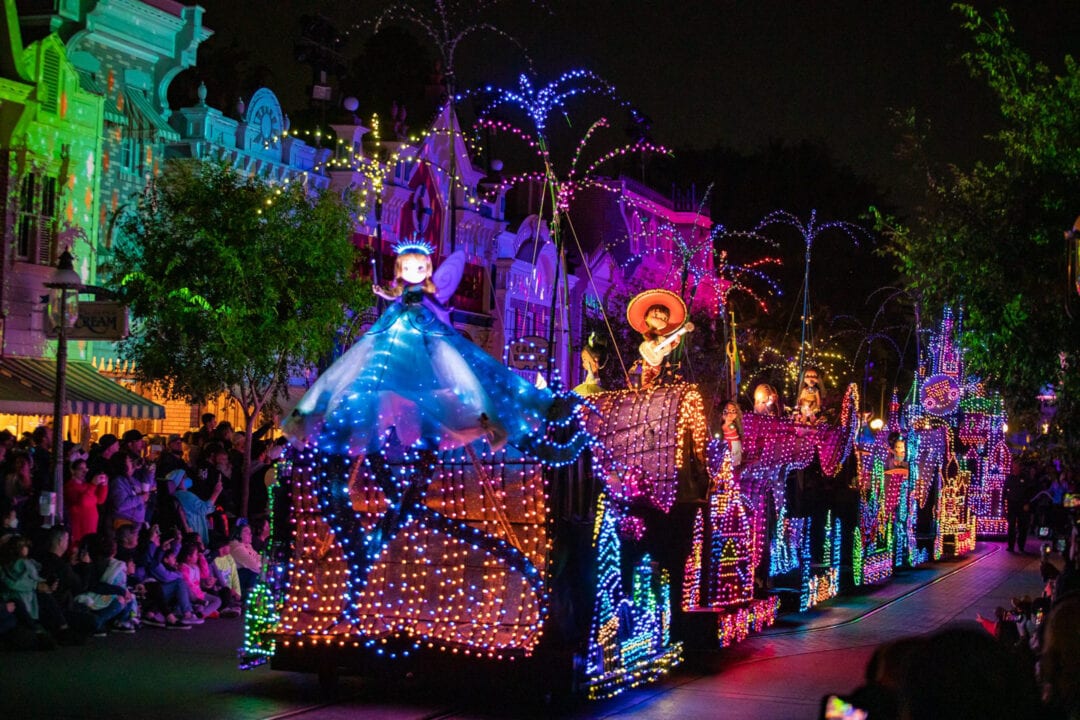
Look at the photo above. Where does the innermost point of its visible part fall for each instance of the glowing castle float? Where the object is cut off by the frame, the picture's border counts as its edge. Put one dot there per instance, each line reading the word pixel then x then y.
pixel 895 473
pixel 970 425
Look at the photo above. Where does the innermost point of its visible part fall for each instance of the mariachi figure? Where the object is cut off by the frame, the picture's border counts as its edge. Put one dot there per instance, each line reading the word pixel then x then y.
pixel 660 317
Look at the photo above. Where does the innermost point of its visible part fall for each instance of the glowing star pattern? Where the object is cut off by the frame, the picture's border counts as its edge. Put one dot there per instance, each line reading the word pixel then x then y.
pixel 437 550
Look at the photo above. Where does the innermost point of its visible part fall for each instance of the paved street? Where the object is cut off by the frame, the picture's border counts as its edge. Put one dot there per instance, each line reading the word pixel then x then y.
pixel 780 674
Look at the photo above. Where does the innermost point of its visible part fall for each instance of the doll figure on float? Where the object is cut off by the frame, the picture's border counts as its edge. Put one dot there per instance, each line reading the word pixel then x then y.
pixel 412 381
pixel 594 357
pixel 767 401
pixel 897 458
pixel 808 406
pixel 732 428
pixel 660 316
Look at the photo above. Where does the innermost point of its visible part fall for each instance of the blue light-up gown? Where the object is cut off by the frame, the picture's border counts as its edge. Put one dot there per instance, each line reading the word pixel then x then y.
pixel 414 381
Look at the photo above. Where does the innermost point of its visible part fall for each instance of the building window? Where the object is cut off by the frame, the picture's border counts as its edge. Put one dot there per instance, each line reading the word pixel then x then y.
pixel 36 221
pixel 50 82
pixel 133 152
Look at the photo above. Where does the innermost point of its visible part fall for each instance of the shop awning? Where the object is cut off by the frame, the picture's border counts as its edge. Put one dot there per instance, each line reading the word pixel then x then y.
pixel 151 117
pixel 18 398
pixel 88 391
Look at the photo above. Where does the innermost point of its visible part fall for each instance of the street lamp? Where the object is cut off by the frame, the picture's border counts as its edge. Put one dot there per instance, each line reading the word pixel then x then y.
pixel 65 284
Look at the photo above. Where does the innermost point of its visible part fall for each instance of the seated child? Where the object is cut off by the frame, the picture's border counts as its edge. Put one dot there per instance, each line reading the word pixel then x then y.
pixel 204 603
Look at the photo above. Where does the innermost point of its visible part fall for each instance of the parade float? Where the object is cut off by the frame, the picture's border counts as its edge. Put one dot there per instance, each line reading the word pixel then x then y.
pixel 931 481
pixel 579 541
pixel 892 468
pixel 442 506
pixel 443 512
pixel 495 555
pixel 953 416
pixel 585 549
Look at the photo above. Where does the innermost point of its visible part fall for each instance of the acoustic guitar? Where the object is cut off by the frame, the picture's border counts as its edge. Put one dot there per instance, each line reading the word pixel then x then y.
pixel 654 353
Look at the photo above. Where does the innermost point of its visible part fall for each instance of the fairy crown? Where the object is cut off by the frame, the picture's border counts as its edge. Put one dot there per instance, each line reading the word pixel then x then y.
pixel 414 245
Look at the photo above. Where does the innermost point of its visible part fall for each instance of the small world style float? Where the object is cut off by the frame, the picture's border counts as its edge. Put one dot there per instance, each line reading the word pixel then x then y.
pixel 442 513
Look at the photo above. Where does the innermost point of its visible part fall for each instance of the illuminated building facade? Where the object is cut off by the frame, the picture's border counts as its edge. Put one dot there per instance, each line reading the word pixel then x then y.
pixel 52 154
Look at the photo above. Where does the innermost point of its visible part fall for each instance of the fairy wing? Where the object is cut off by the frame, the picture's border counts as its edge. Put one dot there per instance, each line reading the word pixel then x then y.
pixel 448 276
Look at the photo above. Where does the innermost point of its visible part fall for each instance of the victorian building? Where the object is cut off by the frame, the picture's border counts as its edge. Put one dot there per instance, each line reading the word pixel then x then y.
pixel 52 151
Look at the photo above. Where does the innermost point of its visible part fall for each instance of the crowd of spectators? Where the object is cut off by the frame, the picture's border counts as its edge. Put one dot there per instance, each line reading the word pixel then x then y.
pixel 1024 662
pixel 1040 500
pixel 150 537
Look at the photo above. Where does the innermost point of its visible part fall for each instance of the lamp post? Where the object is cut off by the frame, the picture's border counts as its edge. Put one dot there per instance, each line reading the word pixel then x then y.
pixel 63 309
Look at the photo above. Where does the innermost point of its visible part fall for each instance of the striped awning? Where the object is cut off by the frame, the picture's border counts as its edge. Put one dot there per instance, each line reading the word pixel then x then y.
pixel 151 117
pixel 88 391
pixel 18 398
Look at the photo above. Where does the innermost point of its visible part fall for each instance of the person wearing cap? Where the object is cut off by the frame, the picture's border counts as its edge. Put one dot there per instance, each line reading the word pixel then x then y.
pixel 134 442
pixel 172 457
pixel 195 508
pixel 102 454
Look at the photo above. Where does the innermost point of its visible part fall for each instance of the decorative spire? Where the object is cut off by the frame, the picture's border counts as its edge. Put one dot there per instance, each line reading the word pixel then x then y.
pixel 894 411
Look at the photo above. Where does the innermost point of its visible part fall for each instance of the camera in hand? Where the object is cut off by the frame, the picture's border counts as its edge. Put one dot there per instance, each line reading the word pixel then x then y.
pixel 837 707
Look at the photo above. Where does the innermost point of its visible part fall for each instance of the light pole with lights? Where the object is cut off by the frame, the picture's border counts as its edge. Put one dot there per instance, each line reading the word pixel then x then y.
pixel 65 284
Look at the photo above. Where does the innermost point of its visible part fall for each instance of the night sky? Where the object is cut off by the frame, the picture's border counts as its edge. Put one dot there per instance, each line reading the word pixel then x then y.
pixel 738 74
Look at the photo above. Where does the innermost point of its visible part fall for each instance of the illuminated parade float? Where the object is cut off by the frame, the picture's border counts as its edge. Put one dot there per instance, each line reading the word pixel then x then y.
pixel 446 513
pixel 441 506
pixel 963 424
pixel 444 507
pixel 895 472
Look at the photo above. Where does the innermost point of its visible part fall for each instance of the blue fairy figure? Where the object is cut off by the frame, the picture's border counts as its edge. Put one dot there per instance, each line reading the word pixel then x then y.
pixel 412 381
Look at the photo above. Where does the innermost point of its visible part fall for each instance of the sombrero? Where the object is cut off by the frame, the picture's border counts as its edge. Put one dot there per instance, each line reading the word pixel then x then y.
pixel 640 304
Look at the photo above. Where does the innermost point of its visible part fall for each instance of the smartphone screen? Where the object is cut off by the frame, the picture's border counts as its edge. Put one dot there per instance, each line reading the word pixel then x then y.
pixel 835 707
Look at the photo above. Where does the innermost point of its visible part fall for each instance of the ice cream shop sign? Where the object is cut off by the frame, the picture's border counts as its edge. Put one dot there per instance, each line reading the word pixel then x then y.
pixel 97 321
